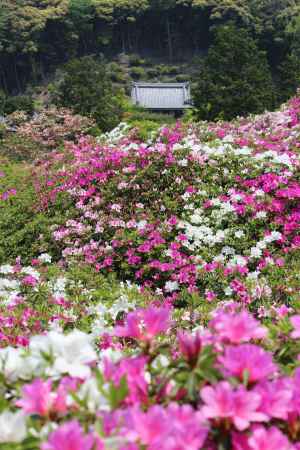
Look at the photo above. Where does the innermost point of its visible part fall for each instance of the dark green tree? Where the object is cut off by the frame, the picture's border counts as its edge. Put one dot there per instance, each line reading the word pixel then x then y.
pixel 235 78
pixel 87 90
pixel 289 69
pixel 289 76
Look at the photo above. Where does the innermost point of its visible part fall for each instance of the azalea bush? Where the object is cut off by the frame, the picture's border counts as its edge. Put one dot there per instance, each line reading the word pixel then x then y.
pixel 25 230
pixel 209 209
pixel 164 312
pixel 51 126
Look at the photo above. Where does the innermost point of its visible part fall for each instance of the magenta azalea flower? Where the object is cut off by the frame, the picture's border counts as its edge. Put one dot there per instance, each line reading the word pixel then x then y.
pixel 30 281
pixel 172 428
pixel 295 321
pixel 69 436
pixel 246 408
pixel 247 360
pixel 238 327
pixel 239 441
pixel 240 406
pixel 189 346
pixel 37 397
pixel 145 324
pixel 218 401
pixel 134 371
pixel 276 397
pixel 269 439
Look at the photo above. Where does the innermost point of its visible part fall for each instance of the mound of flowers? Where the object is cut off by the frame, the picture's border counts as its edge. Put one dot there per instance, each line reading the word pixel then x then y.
pixel 187 210
pixel 172 319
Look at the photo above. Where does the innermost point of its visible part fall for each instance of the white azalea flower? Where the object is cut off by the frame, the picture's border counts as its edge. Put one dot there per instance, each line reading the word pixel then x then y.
pixel 121 305
pixel 183 162
pixel 255 252
pixel 6 269
pixel 12 427
pixel 228 291
pixel 261 215
pixel 94 399
pixel 71 353
pixel 239 234
pixel 171 286
pixel 45 258
pixel 31 271
pixel 11 363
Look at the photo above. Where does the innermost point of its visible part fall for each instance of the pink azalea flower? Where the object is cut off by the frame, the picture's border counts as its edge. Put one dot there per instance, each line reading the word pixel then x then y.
pixel 69 436
pixel 37 397
pixel 295 403
pixel 240 406
pixel 130 447
pixel 150 425
pixel 238 327
pixel 134 371
pixel 269 439
pixel 239 441
pixel 189 346
pixel 210 296
pixel 295 321
pixel 145 324
pixel 187 428
pixel 172 428
pixel 247 358
pixel 276 397
pixel 218 401
pixel 30 281
pixel 246 408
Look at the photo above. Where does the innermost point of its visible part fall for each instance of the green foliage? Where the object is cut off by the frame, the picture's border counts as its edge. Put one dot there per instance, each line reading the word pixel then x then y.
pixel 19 103
pixel 182 78
pixel 136 60
pixel 10 104
pixel 24 230
pixel 140 115
pixel 137 73
pixel 2 102
pixel 144 128
pixel 289 76
pixel 17 148
pixel 165 69
pixel 87 89
pixel 38 37
pixel 235 78
pixel 153 72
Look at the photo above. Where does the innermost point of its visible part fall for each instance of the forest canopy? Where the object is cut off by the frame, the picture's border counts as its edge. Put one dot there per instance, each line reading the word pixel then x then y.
pixel 36 36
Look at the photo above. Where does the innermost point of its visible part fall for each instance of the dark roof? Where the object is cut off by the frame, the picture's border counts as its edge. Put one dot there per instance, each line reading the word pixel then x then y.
pixel 169 96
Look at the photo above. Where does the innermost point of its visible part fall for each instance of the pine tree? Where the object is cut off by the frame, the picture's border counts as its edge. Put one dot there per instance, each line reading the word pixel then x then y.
pixel 235 78
pixel 87 90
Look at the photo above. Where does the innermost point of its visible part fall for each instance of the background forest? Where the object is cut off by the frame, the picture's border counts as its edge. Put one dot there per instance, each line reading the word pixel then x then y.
pixel 241 56
pixel 36 36
pixel 149 266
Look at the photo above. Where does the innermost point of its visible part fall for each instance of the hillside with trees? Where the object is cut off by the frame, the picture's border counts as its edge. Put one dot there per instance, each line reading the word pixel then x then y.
pixel 149 264
pixel 36 37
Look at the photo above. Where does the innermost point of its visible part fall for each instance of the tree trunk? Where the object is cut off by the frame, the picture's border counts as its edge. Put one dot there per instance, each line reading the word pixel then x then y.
pixel 4 82
pixel 129 38
pixel 123 40
pixel 19 87
pixel 169 37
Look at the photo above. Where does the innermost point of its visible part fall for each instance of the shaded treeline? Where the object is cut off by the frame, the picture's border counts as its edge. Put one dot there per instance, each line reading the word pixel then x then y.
pixel 38 35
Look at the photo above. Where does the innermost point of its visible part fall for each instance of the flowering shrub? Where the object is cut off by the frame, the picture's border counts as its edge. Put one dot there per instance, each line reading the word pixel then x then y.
pixel 172 320
pixel 51 127
pixel 25 230
pixel 216 216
